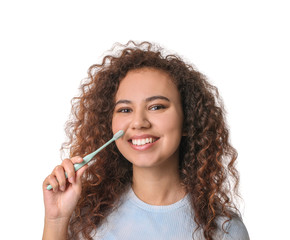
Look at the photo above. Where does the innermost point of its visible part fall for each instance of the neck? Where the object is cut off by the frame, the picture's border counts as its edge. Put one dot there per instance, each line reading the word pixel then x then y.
pixel 158 186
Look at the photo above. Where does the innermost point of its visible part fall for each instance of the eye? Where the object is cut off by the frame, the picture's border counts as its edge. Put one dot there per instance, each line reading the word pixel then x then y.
pixel 157 107
pixel 124 110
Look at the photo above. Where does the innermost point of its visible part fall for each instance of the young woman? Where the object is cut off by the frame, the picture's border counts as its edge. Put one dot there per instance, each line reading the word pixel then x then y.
pixel 167 177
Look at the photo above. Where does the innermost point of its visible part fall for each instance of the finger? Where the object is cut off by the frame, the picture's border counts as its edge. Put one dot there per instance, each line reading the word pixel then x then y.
pixel 51 180
pixel 69 169
pixel 77 159
pixel 60 177
pixel 79 175
pixel 80 172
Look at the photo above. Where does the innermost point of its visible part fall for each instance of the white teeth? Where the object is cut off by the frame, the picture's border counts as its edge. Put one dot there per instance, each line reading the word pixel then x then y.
pixel 140 142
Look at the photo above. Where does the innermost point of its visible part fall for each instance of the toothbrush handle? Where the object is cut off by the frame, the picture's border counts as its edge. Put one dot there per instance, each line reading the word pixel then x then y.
pixel 86 159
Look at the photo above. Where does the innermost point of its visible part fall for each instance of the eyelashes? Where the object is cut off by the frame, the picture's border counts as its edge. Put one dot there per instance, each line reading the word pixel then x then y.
pixel 154 107
pixel 157 107
pixel 124 110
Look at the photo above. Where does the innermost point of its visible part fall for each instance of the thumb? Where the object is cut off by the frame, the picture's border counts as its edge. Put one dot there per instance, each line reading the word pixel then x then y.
pixel 79 175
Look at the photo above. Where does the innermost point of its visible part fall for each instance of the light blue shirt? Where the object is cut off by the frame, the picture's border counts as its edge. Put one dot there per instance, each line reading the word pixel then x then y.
pixel 136 220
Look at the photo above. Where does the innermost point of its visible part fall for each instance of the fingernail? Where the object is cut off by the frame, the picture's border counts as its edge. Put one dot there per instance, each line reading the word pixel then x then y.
pixel 71 179
pixel 62 188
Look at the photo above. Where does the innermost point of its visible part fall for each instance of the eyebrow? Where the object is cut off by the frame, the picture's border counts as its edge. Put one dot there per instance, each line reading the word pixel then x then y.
pixel 149 99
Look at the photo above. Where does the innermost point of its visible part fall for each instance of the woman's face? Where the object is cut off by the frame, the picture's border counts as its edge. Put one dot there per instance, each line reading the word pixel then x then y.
pixel 148 108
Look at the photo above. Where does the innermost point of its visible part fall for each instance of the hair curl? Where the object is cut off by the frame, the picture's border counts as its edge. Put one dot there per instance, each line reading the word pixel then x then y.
pixel 207 160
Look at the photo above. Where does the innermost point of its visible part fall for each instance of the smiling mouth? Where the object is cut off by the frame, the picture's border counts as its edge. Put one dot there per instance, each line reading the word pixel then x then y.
pixel 143 141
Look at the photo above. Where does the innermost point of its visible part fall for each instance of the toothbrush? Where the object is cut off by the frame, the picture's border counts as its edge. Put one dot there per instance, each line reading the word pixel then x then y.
pixel 89 157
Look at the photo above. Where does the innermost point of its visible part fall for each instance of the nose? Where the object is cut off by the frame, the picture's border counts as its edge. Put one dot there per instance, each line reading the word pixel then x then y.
pixel 140 120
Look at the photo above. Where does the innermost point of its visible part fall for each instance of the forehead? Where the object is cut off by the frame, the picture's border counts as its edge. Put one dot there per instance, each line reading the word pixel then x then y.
pixel 146 82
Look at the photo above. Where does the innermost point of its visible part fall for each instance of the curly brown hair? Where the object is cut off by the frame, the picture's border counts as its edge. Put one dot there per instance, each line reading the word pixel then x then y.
pixel 207 160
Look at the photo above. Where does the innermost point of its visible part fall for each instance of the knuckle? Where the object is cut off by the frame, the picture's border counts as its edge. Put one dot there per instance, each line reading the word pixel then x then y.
pixel 66 161
pixel 67 164
pixel 57 168
pixel 77 159
pixel 50 177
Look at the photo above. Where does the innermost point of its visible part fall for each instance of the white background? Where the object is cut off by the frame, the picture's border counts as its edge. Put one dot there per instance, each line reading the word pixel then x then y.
pixel 45 51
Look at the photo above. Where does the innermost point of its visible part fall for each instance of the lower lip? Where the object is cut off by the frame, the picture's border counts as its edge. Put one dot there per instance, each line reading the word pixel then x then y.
pixel 142 147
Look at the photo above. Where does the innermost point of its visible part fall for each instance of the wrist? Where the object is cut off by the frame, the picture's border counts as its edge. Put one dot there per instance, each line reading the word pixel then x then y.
pixel 57 221
pixel 55 229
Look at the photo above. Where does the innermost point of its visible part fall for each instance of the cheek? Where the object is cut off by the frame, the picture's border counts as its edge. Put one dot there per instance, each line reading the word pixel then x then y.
pixel 119 123
pixel 174 128
pixel 114 124
pixel 172 122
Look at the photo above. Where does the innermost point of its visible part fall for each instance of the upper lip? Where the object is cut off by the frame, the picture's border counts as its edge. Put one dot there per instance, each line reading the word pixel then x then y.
pixel 143 136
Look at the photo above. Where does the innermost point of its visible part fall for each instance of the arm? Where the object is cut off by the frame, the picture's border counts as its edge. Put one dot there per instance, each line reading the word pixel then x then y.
pixel 61 201
pixel 236 230
pixel 55 229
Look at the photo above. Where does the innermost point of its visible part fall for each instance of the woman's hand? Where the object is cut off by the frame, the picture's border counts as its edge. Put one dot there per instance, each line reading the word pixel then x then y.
pixel 61 201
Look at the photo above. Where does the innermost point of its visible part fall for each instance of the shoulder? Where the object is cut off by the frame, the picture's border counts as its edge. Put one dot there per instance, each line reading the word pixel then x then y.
pixel 235 229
